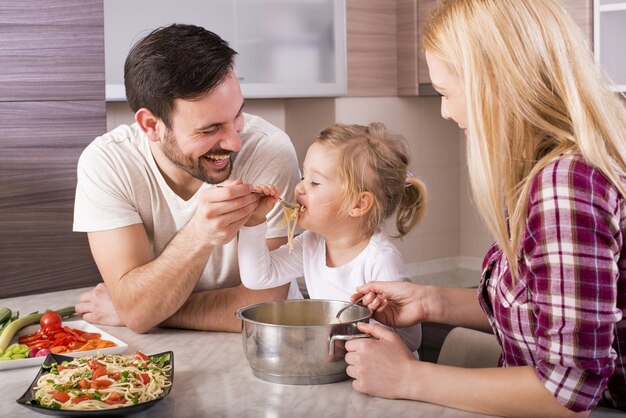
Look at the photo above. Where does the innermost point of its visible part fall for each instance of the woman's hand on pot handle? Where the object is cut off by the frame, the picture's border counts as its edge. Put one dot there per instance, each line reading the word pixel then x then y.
pixel 397 304
pixel 378 364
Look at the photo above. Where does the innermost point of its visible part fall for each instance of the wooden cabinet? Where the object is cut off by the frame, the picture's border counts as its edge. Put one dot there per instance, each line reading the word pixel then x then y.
pixel 413 78
pixel 51 106
pixel 371 47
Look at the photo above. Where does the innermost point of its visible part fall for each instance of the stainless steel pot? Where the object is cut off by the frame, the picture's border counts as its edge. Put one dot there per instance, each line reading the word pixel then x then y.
pixel 299 342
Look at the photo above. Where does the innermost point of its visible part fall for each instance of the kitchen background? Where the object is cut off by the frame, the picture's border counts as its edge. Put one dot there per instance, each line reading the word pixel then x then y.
pixel 52 104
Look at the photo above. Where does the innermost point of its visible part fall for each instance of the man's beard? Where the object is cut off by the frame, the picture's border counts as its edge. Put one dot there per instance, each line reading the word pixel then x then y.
pixel 194 166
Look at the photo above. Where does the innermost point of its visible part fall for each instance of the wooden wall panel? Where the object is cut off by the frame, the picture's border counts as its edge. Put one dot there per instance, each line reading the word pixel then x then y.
pixel 51 50
pixel 51 106
pixel 38 250
pixel 371 45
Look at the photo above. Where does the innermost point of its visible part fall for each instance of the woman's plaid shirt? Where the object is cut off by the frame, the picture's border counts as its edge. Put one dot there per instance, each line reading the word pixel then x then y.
pixel 564 315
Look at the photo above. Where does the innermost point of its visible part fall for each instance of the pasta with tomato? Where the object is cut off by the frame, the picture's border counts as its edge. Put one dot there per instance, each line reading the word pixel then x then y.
pixel 103 382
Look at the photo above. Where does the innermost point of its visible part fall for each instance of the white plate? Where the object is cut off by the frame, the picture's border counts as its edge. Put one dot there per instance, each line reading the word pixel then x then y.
pixel 120 346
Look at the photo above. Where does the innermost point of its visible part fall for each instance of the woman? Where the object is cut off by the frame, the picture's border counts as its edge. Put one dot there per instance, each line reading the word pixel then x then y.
pixel 546 153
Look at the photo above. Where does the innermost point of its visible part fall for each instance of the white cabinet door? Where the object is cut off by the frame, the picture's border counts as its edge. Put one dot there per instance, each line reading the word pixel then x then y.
pixel 286 48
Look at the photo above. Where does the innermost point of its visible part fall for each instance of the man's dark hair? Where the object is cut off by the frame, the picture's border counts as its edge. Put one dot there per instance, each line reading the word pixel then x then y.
pixel 174 62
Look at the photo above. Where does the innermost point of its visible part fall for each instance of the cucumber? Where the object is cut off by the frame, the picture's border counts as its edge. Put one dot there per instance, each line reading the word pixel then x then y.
pixel 65 312
pixel 5 315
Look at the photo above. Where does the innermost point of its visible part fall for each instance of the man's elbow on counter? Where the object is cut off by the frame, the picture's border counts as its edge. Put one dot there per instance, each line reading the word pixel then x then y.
pixel 136 324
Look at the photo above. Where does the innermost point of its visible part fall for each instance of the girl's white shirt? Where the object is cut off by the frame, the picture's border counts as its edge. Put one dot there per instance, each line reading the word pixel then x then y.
pixel 261 269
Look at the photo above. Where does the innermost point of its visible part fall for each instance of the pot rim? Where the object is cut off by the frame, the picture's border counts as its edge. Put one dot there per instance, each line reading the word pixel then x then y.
pixel 239 313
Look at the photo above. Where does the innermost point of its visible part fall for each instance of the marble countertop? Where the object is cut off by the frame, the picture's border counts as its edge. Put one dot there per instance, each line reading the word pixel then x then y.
pixel 212 378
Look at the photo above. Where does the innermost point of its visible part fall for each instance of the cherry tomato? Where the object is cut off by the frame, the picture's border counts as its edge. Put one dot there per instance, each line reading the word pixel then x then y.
pixel 50 319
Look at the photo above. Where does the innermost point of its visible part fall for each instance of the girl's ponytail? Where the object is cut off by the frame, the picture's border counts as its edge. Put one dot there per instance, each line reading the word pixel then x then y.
pixel 412 206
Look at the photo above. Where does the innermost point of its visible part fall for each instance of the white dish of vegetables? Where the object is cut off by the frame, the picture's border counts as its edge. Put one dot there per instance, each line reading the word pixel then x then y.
pixel 119 347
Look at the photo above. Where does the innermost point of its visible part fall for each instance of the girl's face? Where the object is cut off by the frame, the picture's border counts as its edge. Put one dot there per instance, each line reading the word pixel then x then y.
pixel 448 84
pixel 319 191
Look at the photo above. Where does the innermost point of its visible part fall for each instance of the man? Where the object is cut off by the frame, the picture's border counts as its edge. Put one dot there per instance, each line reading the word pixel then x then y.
pixel 162 235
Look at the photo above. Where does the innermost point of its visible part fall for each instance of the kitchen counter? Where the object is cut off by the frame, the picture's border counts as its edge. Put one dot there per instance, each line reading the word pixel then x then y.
pixel 212 378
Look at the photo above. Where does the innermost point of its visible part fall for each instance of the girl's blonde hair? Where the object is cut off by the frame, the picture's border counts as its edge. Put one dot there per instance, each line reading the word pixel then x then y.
pixel 532 92
pixel 374 160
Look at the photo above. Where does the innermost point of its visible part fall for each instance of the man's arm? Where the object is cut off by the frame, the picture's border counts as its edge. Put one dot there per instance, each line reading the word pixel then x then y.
pixel 215 309
pixel 146 290
pixel 142 297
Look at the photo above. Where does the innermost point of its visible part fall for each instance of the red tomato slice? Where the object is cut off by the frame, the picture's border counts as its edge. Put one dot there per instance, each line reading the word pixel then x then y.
pixel 81 398
pixel 101 383
pixel 100 371
pixel 83 383
pixel 93 364
pixel 141 355
pixel 61 396
pixel 143 378
pixel 114 398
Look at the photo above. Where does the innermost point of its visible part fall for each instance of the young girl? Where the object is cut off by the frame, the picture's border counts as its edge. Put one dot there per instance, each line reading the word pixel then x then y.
pixel 355 177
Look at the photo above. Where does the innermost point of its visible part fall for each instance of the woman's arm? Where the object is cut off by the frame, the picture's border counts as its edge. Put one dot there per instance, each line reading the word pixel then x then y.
pixel 401 304
pixel 383 366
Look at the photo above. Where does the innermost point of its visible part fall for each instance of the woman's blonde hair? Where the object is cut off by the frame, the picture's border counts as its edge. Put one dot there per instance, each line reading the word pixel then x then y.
pixel 532 92
pixel 374 160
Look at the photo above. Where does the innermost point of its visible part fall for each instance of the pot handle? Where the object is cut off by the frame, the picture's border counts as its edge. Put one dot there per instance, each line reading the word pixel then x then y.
pixel 238 313
pixel 331 343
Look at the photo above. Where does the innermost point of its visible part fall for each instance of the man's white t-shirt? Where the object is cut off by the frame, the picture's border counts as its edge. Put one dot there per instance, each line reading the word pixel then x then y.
pixel 380 260
pixel 119 184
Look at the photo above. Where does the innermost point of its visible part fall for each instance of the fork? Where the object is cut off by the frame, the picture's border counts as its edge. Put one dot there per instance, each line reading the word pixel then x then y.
pixel 280 199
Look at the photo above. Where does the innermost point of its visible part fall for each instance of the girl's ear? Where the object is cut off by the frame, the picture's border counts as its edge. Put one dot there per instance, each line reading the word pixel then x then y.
pixel 363 205
pixel 148 123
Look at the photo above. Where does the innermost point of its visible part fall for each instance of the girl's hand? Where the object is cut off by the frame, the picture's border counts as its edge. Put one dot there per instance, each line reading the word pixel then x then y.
pixel 380 365
pixel 397 304
pixel 268 197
